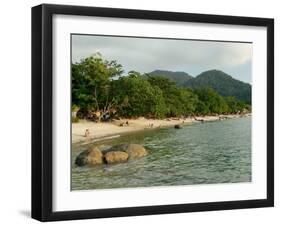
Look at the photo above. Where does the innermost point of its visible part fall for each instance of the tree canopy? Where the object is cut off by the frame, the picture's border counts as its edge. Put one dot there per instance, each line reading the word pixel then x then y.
pixel 100 86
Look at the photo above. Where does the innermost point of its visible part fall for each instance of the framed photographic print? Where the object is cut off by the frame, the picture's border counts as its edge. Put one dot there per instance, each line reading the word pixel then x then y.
pixel 145 112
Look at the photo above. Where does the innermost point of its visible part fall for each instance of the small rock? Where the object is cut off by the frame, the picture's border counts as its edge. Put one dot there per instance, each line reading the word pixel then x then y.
pixel 178 126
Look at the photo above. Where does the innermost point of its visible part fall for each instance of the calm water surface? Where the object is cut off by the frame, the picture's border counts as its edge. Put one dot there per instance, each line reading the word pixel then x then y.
pixel 200 153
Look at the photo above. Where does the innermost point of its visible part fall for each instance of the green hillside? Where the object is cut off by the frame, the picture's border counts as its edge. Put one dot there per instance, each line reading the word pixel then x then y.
pixel 223 83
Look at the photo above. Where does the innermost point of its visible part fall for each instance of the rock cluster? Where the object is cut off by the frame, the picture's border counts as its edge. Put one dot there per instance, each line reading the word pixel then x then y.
pixel 115 154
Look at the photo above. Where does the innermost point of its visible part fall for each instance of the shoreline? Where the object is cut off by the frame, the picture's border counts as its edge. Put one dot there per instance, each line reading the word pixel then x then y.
pixel 116 128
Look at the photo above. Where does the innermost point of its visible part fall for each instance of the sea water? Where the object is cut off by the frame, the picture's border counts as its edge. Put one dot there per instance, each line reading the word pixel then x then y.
pixel 199 153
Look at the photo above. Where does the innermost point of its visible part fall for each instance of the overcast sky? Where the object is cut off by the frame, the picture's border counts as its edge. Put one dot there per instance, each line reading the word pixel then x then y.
pixel 146 55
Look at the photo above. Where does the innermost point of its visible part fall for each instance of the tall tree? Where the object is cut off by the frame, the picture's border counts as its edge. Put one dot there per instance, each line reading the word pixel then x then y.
pixel 91 82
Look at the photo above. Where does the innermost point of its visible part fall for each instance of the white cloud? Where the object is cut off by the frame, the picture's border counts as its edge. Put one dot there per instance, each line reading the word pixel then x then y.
pixel 145 55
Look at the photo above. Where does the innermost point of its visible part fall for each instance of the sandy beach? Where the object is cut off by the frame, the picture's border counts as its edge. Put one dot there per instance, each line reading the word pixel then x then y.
pixel 108 130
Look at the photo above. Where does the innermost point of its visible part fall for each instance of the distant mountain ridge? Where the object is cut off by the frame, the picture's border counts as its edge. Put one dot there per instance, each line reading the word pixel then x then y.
pixel 221 82
pixel 179 77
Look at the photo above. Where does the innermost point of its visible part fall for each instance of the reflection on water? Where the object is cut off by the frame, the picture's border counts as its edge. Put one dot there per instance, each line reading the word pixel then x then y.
pixel 201 153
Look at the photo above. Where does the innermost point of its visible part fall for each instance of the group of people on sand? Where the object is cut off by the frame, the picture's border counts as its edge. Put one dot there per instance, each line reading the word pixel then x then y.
pixel 87 133
pixel 150 125
pixel 124 123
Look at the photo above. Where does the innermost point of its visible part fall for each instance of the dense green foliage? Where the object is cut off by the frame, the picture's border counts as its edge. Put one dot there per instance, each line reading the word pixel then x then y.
pixel 178 101
pixel 137 97
pixel 98 89
pixel 223 83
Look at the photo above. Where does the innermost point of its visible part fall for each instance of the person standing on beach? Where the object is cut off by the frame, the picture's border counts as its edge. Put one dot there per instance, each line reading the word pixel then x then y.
pixel 87 134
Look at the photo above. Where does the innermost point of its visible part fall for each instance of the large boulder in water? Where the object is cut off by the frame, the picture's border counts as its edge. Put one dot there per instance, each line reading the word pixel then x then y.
pixel 115 154
pixel 119 147
pixel 135 151
pixel 92 156
pixel 116 157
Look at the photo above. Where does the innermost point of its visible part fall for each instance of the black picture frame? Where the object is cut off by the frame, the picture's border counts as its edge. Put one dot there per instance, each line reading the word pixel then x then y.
pixel 42 197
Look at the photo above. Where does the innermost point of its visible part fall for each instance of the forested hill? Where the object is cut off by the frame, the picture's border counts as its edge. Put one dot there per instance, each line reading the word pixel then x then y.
pixel 180 78
pixel 223 83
